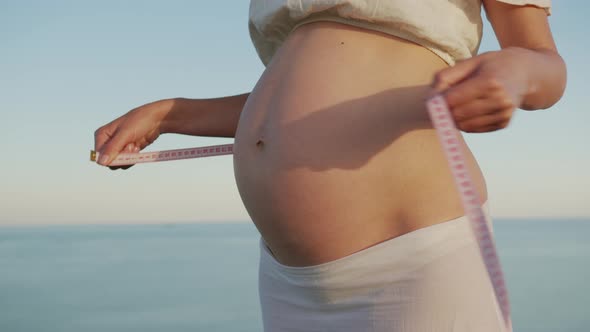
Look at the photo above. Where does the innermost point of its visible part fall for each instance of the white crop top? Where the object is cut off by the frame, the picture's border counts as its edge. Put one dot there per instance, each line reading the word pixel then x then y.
pixel 451 29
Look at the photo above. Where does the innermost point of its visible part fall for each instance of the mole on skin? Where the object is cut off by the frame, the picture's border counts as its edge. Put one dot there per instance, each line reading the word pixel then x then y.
pixel 260 143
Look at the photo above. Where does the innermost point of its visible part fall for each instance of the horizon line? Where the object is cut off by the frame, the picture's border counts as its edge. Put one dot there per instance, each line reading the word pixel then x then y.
pixel 244 222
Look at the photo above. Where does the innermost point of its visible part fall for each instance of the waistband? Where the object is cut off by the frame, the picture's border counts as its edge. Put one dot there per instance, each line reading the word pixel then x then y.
pixel 400 255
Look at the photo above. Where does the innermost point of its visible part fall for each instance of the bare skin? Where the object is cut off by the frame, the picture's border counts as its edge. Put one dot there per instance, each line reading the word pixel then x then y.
pixel 334 151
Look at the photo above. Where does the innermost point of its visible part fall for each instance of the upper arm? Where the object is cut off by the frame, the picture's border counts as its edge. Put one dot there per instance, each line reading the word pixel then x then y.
pixel 520 26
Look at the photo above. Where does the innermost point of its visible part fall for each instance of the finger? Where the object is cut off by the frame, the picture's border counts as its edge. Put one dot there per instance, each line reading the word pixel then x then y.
pixel 487 122
pixel 455 74
pixel 101 136
pixel 114 168
pixel 113 147
pixel 489 128
pixel 474 108
pixel 477 87
pixel 130 148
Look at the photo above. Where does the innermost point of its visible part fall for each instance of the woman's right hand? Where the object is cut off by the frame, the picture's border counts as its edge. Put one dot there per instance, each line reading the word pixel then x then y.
pixel 131 132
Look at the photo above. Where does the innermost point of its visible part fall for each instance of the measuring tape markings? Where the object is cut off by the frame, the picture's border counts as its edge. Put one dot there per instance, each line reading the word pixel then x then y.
pixel 167 155
pixel 446 130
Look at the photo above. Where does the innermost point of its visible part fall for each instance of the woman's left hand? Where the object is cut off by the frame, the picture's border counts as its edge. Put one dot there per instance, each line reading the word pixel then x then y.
pixel 483 92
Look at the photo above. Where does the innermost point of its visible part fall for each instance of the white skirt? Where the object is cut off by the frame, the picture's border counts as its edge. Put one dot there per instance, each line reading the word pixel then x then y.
pixel 431 279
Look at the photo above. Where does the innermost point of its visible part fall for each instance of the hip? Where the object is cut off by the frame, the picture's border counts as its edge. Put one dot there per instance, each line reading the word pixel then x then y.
pixel 433 276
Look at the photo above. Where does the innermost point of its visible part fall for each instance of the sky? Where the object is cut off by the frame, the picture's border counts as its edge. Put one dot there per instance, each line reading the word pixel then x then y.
pixel 68 67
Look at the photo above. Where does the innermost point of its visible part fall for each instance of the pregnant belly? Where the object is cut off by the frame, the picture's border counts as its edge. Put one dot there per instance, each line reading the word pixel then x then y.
pixel 334 151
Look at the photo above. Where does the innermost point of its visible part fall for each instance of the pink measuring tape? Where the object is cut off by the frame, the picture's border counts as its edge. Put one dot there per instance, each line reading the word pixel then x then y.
pixel 446 130
pixel 167 155
pixel 445 127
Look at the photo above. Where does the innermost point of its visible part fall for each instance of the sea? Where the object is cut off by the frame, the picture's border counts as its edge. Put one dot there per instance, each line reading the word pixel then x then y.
pixel 203 277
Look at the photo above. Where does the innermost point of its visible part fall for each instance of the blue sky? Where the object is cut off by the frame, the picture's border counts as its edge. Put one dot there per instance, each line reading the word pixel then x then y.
pixel 68 67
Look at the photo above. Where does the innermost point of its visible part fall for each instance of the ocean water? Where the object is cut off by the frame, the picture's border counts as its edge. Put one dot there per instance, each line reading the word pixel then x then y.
pixel 203 277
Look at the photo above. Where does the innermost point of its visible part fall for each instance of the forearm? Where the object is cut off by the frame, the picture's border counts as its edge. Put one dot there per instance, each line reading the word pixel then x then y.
pixel 217 117
pixel 546 71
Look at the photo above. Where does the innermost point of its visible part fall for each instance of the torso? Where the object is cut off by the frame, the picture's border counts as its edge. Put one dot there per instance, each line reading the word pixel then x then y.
pixel 334 151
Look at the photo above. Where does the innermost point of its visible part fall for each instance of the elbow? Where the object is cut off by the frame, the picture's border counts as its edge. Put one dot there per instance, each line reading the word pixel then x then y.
pixel 547 97
pixel 562 79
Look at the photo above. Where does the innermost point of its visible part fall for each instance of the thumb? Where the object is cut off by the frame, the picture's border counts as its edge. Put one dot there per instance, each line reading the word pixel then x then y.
pixel 113 147
pixel 448 77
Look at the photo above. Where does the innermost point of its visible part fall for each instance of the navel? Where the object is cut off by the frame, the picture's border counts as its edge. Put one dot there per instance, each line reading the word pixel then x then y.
pixel 260 143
